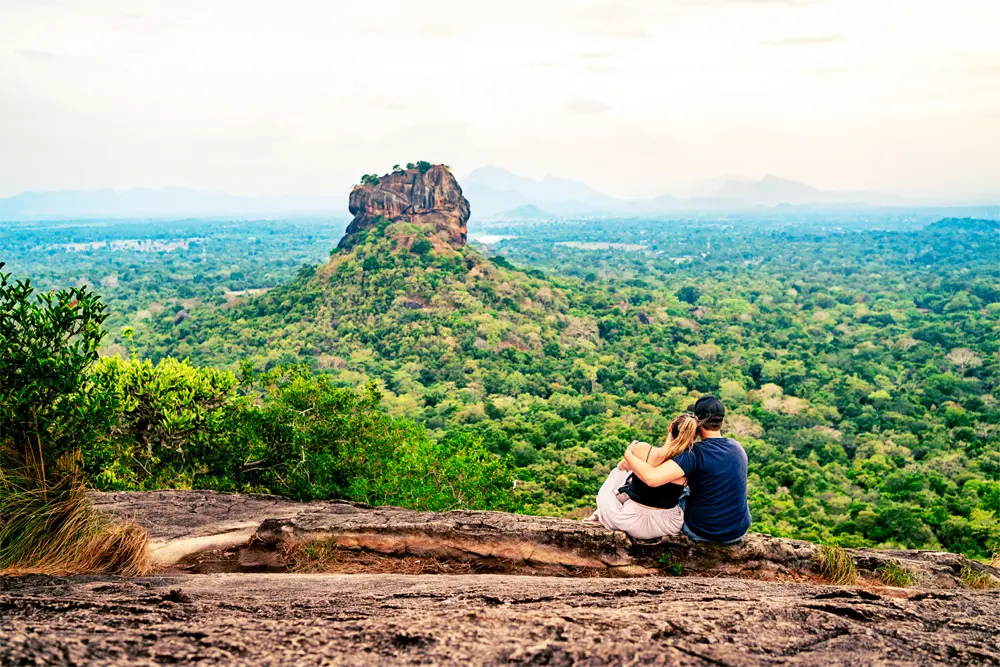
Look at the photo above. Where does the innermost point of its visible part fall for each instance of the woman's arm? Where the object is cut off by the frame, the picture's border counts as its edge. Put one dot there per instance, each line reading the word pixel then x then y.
pixel 653 475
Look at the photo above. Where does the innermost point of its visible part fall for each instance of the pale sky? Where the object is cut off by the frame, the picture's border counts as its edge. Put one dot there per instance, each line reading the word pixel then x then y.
pixel 636 98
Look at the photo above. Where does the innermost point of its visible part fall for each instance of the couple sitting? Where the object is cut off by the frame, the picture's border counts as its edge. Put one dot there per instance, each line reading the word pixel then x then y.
pixel 695 487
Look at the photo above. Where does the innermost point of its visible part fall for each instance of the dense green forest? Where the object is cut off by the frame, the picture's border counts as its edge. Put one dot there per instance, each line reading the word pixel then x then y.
pixel 859 360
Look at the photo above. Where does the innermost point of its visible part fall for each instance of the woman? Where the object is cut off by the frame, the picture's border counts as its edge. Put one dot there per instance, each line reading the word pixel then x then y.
pixel 647 512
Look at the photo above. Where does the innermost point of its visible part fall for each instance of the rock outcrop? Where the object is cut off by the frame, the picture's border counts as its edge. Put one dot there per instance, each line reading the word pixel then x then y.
pixel 243 617
pixel 184 523
pixel 430 196
pixel 296 619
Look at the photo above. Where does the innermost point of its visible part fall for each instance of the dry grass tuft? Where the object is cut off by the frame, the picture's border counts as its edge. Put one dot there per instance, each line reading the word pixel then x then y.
pixel 836 565
pixel 979 580
pixel 57 531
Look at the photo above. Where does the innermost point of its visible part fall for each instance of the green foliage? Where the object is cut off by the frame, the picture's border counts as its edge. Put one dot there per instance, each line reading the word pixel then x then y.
pixel 49 411
pixel 689 294
pixel 458 472
pixel 894 574
pixel 668 566
pixel 858 358
pixel 421 247
pixel 370 180
pixel 168 417
pixel 48 408
pixel 287 432
pixel 836 565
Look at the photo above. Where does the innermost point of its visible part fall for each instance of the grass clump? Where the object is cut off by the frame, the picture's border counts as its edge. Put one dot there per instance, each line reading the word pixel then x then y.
pixel 836 565
pixel 894 574
pixel 979 580
pixel 57 531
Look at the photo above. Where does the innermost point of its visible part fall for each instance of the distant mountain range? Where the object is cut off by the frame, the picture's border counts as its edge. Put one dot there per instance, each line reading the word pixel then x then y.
pixel 494 193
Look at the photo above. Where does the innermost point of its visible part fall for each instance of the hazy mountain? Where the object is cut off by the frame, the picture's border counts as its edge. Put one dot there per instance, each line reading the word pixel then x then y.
pixel 493 193
pixel 772 191
pixel 526 212
pixel 493 190
pixel 159 203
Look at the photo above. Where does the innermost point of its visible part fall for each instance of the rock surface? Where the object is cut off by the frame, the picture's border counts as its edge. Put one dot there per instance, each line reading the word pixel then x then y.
pixel 431 197
pixel 291 619
pixel 181 523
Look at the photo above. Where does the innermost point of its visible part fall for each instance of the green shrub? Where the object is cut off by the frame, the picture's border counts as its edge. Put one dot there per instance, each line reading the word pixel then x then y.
pixel 458 472
pixel 171 421
pixel 48 407
pixel 49 412
pixel 287 432
pixel 421 247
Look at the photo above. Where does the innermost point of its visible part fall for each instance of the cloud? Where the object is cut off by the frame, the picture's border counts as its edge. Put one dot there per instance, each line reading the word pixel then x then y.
pixel 586 107
pixel 598 55
pixel 752 2
pixel 805 41
pixel 43 57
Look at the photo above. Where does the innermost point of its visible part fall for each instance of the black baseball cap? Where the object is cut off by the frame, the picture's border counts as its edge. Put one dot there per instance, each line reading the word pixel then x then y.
pixel 709 411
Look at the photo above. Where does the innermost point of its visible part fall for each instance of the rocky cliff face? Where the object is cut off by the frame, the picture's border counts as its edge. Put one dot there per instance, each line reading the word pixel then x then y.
pixel 430 197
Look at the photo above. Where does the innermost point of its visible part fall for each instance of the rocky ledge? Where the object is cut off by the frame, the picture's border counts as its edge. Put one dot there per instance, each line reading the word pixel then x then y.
pixel 295 619
pixel 428 196
pixel 265 533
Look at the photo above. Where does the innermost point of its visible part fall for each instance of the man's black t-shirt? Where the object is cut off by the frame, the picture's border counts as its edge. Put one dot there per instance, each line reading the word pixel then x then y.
pixel 716 471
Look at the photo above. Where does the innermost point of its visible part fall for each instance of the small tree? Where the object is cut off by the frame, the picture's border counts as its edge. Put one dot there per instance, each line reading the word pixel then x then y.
pixel 689 294
pixel 420 247
pixel 964 358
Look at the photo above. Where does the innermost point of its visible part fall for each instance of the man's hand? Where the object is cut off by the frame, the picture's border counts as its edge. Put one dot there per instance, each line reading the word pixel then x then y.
pixel 623 465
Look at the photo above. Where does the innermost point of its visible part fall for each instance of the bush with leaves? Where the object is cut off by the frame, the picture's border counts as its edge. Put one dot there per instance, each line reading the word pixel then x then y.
pixel 171 419
pixel 49 412
pixel 48 407
pixel 287 432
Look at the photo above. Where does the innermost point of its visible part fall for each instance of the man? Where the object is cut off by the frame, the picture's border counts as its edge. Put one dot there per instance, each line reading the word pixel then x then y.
pixel 716 509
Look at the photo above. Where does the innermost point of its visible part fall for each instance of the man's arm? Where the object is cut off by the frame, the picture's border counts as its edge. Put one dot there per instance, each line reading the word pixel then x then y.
pixel 653 476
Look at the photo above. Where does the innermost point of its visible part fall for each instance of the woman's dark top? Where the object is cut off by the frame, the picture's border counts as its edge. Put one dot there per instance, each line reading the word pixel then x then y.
pixel 662 497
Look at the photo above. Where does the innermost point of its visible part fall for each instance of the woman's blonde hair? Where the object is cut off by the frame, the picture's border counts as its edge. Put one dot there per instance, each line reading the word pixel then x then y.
pixel 683 431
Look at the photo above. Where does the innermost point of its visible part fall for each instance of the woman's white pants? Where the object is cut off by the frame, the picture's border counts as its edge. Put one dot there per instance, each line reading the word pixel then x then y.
pixel 639 522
